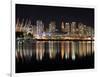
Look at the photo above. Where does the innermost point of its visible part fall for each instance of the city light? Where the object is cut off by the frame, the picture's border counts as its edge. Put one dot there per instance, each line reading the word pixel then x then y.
pixel 72 39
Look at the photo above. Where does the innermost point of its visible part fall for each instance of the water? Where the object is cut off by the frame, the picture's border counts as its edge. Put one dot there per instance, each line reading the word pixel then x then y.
pixel 27 49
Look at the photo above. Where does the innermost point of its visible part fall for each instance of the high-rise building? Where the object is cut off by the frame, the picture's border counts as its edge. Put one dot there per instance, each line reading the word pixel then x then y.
pixel 40 28
pixel 52 26
pixel 34 30
pixel 89 31
pixel 62 27
pixel 73 28
pixel 67 28
pixel 81 29
pixel 84 30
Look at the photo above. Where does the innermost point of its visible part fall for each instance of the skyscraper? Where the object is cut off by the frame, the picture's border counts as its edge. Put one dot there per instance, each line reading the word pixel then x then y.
pixel 73 28
pixel 62 27
pixel 80 28
pixel 67 28
pixel 52 26
pixel 40 28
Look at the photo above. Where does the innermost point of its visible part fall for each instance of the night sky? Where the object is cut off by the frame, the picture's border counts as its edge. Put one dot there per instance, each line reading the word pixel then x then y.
pixel 57 14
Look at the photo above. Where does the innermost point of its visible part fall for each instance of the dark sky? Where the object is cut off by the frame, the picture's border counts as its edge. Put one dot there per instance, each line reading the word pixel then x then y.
pixel 58 14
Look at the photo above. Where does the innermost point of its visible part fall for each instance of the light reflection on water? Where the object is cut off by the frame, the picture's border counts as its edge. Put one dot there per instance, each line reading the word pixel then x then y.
pixel 66 49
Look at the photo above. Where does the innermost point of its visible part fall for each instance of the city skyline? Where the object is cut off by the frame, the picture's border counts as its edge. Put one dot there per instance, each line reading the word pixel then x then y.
pixel 57 14
pixel 49 38
pixel 69 29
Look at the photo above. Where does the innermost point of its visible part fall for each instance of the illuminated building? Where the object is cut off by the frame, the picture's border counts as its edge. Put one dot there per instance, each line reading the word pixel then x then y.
pixel 90 31
pixel 39 31
pixel 30 30
pixel 81 29
pixel 52 26
pixel 40 28
pixel 67 28
pixel 73 28
pixel 66 48
pixel 34 31
pixel 62 27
